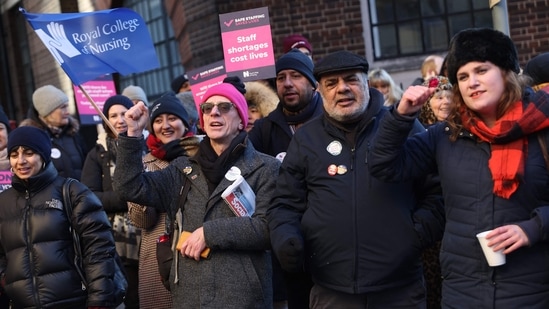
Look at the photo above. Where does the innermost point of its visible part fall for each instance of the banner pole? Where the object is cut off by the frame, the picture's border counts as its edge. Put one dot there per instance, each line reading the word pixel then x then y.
pixel 98 110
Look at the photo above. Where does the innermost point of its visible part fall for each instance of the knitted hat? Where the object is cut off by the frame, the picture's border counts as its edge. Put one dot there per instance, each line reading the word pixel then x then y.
pixel 229 91
pixel 168 103
pixel 4 119
pixel 538 69
pixel 298 61
pixel 340 61
pixel 178 82
pixel 32 138
pixel 114 100
pixel 481 44
pixel 135 93
pixel 296 41
pixel 439 82
pixel 48 98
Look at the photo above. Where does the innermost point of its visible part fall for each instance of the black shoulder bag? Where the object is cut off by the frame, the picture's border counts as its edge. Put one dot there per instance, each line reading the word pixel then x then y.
pixel 119 280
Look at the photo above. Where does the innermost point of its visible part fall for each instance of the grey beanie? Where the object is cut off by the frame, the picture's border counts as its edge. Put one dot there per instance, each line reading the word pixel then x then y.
pixel 48 98
pixel 135 93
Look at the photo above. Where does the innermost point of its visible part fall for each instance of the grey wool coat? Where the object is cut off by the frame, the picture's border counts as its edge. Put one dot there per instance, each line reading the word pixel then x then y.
pixel 238 272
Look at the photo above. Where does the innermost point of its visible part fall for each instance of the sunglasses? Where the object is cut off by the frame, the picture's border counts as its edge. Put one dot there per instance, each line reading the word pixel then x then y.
pixel 223 107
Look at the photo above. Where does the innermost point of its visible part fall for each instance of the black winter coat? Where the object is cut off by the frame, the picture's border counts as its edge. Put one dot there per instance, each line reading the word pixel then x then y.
pixel 96 175
pixel 36 250
pixel 360 234
pixel 471 207
pixel 272 134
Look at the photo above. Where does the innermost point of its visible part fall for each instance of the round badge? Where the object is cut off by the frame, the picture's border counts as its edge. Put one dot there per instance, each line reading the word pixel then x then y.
pixel 334 148
pixel 187 170
pixel 55 153
pixel 280 157
pixel 342 169
pixel 233 173
pixel 332 169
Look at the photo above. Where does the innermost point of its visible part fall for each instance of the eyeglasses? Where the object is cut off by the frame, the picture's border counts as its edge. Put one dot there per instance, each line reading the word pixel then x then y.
pixel 223 107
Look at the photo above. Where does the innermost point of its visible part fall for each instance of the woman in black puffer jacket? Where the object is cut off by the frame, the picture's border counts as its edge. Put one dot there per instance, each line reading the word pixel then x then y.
pixel 36 249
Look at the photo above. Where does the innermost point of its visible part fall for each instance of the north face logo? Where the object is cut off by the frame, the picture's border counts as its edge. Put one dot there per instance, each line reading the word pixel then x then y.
pixel 55 204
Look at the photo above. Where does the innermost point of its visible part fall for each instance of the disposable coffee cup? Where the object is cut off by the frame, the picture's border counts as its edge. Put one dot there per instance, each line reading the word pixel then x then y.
pixel 494 258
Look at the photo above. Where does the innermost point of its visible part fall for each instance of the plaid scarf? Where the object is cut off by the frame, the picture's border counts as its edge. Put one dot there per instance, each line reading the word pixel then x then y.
pixel 508 139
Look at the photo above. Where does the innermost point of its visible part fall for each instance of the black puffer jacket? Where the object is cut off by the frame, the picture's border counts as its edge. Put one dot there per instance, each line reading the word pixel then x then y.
pixel 360 234
pixel 36 251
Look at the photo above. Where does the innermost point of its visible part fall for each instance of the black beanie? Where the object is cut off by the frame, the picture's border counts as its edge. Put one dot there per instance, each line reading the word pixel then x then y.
pixel 481 44
pixel 297 61
pixel 538 69
pixel 32 138
pixel 178 82
pixel 168 103
pixel 114 100
pixel 4 119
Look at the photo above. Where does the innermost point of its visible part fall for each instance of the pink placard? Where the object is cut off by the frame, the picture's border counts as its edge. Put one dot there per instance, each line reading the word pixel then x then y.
pixel 248 44
pixel 99 90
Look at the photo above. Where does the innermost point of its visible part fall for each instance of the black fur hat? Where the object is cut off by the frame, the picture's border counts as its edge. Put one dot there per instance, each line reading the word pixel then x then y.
pixel 481 44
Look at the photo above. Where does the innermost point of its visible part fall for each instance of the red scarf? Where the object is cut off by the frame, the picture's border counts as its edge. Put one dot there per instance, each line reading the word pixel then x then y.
pixel 508 139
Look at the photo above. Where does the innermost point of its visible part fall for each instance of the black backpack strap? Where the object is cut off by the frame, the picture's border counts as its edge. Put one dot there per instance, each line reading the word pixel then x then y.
pixel 67 204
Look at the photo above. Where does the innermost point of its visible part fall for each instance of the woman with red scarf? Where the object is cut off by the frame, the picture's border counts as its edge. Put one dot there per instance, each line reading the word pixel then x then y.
pixel 169 138
pixel 491 155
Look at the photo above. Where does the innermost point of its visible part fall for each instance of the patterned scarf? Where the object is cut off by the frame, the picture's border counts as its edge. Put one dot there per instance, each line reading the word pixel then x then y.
pixel 171 150
pixel 508 139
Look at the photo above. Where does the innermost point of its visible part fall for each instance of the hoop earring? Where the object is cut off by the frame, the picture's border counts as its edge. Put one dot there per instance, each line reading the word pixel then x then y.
pixel 11 170
pixel 43 165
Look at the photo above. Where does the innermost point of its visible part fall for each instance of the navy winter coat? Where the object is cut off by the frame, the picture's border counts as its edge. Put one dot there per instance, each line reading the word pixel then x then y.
pixel 471 207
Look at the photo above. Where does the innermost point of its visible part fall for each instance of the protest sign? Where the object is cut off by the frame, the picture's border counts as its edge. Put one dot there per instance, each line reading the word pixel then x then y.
pixel 247 44
pixel 99 89
pixel 204 78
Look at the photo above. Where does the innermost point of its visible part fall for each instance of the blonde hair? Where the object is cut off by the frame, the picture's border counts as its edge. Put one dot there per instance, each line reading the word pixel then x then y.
pixel 380 76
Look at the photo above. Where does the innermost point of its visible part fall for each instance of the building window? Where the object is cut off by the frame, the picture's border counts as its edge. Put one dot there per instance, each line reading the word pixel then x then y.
pixel 414 27
pixel 156 82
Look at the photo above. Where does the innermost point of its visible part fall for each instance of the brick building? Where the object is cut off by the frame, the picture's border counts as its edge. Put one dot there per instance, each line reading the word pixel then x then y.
pixel 393 35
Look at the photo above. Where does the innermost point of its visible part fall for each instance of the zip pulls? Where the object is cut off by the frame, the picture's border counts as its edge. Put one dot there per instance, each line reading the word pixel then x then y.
pixel 367 153
pixel 353 154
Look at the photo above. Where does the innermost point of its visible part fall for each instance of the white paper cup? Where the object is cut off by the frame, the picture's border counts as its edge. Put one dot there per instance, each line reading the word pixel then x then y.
pixel 494 258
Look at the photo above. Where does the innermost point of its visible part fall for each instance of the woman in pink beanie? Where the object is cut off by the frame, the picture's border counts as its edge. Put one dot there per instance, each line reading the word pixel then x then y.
pixel 237 273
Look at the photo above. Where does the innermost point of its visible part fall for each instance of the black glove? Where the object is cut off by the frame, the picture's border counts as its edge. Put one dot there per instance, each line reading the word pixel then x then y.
pixel 290 255
pixel 236 82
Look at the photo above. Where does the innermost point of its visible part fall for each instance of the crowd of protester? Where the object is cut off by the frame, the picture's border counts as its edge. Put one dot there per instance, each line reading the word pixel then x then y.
pixel 326 187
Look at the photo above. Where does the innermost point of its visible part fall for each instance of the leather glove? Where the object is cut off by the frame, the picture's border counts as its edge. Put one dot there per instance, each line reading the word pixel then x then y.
pixel 291 255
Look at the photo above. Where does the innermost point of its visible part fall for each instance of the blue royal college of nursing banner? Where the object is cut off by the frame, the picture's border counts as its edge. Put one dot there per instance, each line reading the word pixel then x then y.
pixel 88 45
